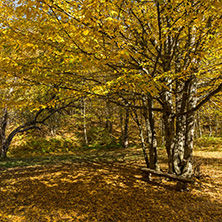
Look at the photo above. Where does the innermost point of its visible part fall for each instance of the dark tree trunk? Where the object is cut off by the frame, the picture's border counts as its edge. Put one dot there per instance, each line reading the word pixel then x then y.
pixel 109 125
pixel 168 126
pixel 84 121
pixel 169 139
pixel 126 129
pixel 153 141
pixel 3 123
pixel 8 140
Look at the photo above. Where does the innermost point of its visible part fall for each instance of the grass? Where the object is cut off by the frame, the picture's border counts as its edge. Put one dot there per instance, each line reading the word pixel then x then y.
pixel 53 146
pixel 209 143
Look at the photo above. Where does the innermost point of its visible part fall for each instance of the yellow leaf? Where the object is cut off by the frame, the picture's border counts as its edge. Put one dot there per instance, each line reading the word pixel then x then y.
pixel 30 45
pixel 86 32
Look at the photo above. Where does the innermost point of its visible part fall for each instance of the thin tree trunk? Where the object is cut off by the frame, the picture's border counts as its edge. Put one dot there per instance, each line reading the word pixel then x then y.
pixel 109 125
pixel 84 121
pixel 4 121
pixel 210 126
pixel 168 127
pixel 198 124
pixel 216 128
pixel 121 125
pixel 141 138
pixel 153 141
pixel 169 139
pixel 147 127
pixel 126 128
pixel 162 131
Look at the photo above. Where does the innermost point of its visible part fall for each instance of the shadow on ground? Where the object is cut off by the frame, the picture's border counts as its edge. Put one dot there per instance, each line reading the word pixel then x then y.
pixel 93 190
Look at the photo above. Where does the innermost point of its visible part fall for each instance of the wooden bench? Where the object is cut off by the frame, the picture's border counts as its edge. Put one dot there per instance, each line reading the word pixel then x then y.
pixel 182 182
pixel 167 175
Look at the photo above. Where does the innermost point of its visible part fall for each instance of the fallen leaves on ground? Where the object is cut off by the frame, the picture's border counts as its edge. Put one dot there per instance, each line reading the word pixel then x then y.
pixel 105 191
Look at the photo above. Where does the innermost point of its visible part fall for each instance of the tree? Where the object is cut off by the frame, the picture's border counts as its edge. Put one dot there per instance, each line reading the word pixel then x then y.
pixel 167 52
pixel 27 107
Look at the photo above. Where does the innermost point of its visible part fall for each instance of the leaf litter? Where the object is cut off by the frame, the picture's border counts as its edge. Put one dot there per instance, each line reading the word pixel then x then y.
pixel 94 189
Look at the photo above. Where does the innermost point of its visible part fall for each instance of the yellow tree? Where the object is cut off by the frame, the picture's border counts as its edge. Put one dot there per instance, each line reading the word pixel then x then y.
pixel 166 51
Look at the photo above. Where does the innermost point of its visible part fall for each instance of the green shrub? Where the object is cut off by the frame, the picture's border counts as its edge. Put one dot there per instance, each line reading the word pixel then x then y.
pixel 207 141
pixel 99 136
pixel 41 146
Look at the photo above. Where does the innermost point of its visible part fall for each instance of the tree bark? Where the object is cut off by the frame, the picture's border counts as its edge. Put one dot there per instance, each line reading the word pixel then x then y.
pixel 167 175
pixel 109 125
pixel 183 145
pixel 179 138
pixel 187 166
pixel 4 121
pixel 142 138
pixel 169 139
pixel 126 129
pixel 168 120
pixel 153 141
pixel 84 121
pixel 198 128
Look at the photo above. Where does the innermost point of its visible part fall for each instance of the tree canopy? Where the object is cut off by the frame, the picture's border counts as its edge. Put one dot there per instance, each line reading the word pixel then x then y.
pixel 158 55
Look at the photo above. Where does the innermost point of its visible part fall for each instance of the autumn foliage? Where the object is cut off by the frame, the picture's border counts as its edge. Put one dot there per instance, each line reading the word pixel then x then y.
pixel 156 62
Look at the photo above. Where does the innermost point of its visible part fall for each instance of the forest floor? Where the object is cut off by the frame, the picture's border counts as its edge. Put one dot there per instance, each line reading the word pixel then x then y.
pixel 106 185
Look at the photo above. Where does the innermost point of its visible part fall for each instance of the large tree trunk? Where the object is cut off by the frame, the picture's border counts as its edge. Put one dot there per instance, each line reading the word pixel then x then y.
pixel 185 123
pixel 187 167
pixel 179 138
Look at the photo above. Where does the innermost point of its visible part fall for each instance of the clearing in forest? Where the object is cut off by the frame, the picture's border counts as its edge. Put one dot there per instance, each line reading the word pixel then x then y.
pixel 105 186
